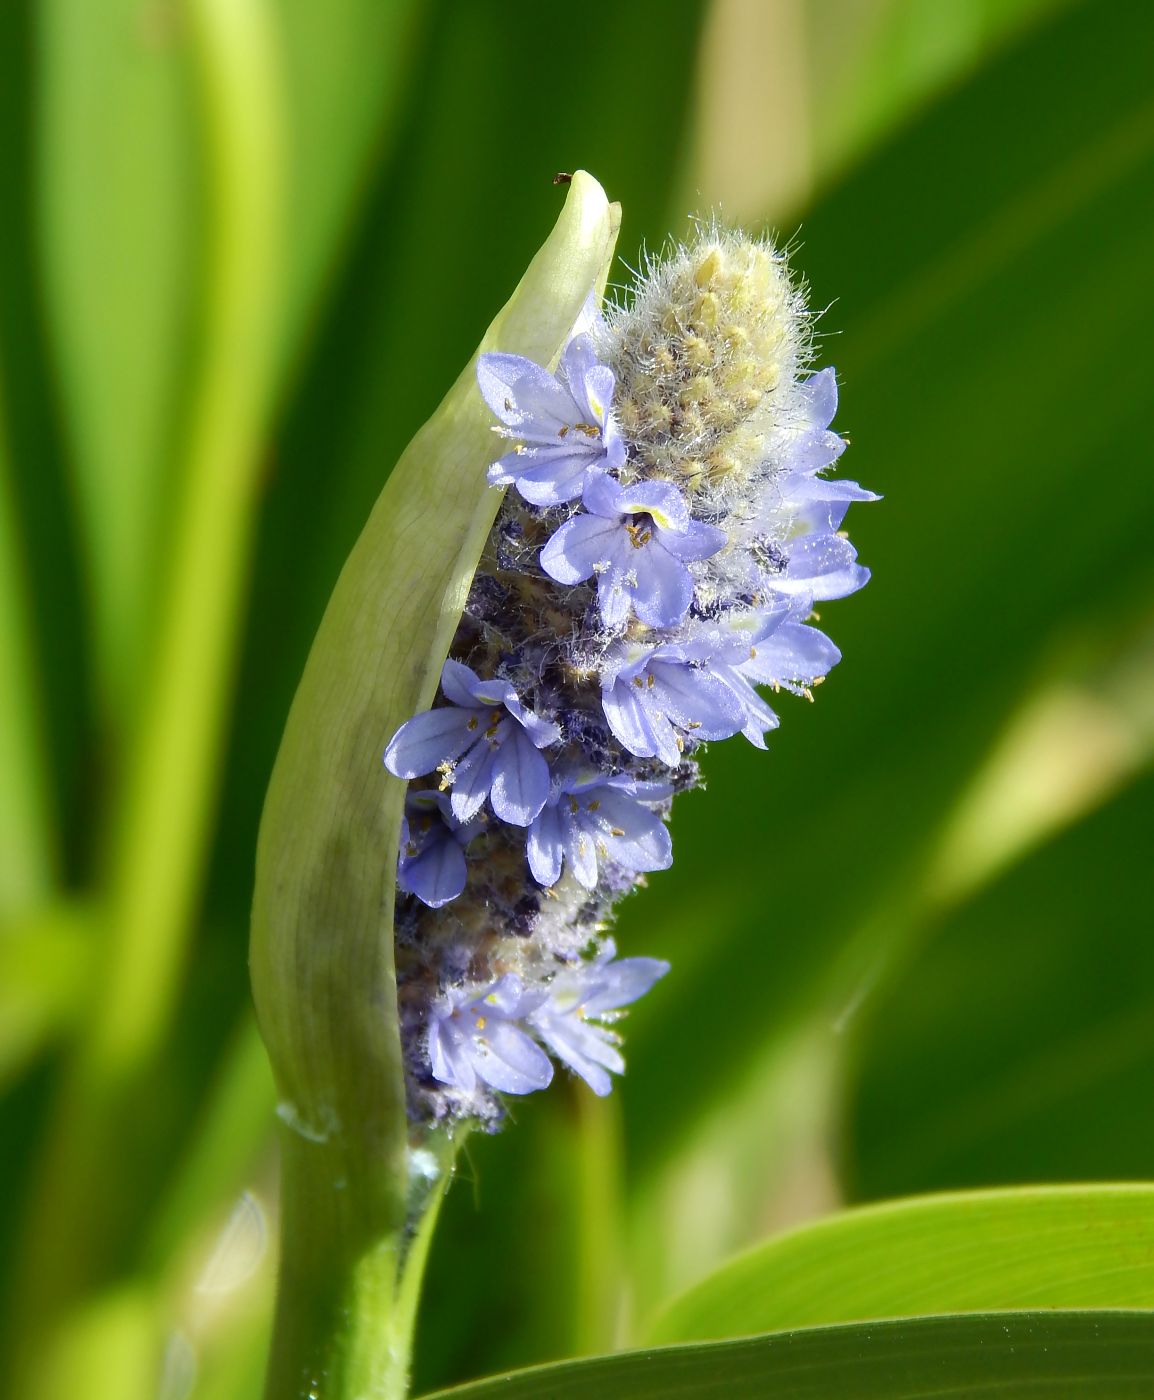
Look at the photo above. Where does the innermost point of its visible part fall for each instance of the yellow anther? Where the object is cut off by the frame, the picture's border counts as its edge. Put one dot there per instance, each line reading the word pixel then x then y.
pixel 752 653
pixel 508 406
pixel 481 1022
pixel 410 848
pixel 650 681
pixel 472 723
pixel 805 690
pixel 593 805
pixel 680 745
pixel 639 683
pixel 693 724
pixel 573 805
pixel 616 831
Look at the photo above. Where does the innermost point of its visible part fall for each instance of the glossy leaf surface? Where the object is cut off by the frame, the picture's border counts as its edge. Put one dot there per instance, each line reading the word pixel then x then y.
pixel 1065 1247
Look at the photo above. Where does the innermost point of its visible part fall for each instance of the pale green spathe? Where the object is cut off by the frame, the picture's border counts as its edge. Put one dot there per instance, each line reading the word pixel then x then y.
pixel 321 953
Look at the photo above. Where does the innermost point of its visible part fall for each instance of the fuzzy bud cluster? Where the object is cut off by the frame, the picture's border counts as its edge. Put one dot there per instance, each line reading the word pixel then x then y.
pixel 657 559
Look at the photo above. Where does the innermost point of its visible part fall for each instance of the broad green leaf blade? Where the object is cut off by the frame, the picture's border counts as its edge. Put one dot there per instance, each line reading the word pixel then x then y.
pixel 121 219
pixel 1057 1247
pixel 1046 1356
pixel 1018 1044
pixel 345 66
pixel 321 950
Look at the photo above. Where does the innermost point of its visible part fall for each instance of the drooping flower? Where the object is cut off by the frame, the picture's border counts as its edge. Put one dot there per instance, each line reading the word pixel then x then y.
pixel 564 424
pixel 636 540
pixel 586 817
pixel 500 740
pixel 579 997
pixel 432 857
pixel 473 1034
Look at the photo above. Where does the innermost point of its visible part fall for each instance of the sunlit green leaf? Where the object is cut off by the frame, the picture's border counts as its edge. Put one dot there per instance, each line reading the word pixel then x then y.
pixel 121 220
pixel 1048 1354
pixel 345 64
pixel 1062 1247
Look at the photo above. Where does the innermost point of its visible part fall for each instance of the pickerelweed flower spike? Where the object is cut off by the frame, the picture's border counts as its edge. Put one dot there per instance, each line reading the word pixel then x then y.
pixel 670 531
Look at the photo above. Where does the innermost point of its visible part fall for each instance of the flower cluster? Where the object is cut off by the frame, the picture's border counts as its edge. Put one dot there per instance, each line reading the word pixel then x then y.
pixel 668 532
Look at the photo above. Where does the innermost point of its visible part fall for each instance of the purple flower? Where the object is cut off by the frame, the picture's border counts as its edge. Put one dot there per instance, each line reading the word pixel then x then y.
pixel 432 859
pixel 499 738
pixel 655 695
pixel 636 540
pixel 578 997
pixel 564 423
pixel 472 1036
pixel 793 535
pixel 794 655
pixel 586 817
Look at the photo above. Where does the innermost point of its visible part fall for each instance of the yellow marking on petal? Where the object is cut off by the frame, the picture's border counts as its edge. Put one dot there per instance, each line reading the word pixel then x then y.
pixel 680 745
pixel 573 804
pixel 752 653
pixel 602 848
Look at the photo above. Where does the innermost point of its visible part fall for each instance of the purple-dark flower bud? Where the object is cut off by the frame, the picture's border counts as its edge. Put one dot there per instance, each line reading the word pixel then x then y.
pixel 484 741
pixel 473 1035
pixel 564 424
pixel 586 817
pixel 566 1022
pixel 432 858
pixel 636 541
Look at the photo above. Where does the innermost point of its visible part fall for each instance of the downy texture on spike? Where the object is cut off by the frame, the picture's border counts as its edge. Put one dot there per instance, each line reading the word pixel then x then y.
pixel 668 531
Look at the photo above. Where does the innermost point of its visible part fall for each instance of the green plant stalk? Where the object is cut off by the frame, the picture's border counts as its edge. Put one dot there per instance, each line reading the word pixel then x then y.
pixel 321 953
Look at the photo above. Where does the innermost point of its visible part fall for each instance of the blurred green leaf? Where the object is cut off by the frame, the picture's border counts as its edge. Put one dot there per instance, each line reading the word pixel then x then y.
pixel 1018 1044
pixel 975 310
pixel 26 847
pixel 1050 1354
pixel 47 962
pixel 122 222
pixel 345 64
pixel 1059 1247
